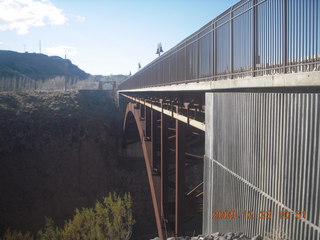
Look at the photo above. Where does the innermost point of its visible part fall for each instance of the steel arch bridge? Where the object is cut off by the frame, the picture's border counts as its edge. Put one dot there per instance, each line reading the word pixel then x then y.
pixel 177 203
pixel 249 80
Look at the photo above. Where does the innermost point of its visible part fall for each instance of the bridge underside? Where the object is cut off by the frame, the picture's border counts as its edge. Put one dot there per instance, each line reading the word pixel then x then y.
pixel 173 152
pixel 261 162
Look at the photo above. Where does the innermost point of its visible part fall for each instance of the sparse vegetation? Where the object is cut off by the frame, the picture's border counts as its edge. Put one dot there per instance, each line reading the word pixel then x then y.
pixel 16 235
pixel 49 231
pixel 110 219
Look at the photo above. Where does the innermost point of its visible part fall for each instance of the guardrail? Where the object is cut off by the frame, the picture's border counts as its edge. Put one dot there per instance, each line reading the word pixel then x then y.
pixel 252 38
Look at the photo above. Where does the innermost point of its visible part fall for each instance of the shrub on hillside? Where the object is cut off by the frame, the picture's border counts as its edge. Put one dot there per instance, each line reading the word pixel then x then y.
pixel 49 231
pixel 16 235
pixel 110 219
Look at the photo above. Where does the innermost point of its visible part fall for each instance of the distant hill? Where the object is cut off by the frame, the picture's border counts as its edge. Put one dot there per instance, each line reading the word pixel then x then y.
pixel 37 66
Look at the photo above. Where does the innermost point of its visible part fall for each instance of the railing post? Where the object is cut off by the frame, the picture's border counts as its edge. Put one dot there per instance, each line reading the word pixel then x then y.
pixel 284 35
pixel 198 58
pixel 231 42
pixel 164 152
pixel 214 50
pixel 254 37
pixel 176 65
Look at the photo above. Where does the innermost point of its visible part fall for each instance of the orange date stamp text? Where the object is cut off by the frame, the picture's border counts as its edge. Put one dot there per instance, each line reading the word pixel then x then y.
pixel 258 214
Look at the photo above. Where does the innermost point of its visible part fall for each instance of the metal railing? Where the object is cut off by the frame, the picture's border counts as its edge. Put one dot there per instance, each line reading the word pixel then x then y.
pixel 262 159
pixel 252 38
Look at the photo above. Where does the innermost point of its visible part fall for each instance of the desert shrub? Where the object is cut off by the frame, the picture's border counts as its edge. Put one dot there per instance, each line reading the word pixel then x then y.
pixel 114 217
pixel 49 231
pixel 16 235
pixel 82 226
pixel 110 219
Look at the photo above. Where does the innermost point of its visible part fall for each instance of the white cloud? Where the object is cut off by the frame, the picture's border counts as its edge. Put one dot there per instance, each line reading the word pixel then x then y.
pixel 62 51
pixel 80 18
pixel 20 15
pixel 1 43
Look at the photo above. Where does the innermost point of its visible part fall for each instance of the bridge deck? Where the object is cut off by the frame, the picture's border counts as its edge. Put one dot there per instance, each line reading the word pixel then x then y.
pixel 302 79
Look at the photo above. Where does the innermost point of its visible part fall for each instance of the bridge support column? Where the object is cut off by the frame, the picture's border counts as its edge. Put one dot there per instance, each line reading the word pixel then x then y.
pixel 163 138
pixel 148 123
pixel 142 110
pixel 164 165
pixel 154 142
pixel 180 178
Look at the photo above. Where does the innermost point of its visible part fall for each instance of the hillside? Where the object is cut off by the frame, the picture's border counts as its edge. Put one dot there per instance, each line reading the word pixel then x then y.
pixel 37 66
pixel 60 151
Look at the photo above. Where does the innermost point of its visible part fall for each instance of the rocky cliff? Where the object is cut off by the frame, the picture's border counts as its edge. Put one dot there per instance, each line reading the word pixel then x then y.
pixel 59 151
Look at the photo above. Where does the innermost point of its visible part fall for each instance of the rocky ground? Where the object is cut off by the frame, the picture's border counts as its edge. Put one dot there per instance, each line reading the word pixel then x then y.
pixel 218 236
pixel 59 151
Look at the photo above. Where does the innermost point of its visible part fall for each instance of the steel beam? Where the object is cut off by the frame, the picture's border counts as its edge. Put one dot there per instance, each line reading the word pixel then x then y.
pixel 142 110
pixel 154 137
pixel 148 123
pixel 154 181
pixel 192 122
pixel 167 170
pixel 195 188
pixel 164 164
pixel 180 178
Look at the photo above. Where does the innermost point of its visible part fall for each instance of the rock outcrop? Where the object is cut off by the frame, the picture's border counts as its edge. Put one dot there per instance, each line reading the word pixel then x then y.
pixel 59 151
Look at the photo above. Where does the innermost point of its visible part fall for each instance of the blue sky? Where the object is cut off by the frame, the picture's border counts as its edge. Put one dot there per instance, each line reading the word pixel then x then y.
pixel 103 37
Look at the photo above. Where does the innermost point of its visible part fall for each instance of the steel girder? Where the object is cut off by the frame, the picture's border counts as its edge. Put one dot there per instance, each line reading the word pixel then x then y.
pixel 166 162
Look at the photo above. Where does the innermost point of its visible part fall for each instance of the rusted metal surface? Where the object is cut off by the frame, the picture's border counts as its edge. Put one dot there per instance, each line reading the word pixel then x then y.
pixel 175 203
pixel 154 181
pixel 184 118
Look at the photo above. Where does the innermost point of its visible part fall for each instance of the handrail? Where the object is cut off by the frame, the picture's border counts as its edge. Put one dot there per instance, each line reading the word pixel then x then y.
pixel 258 37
